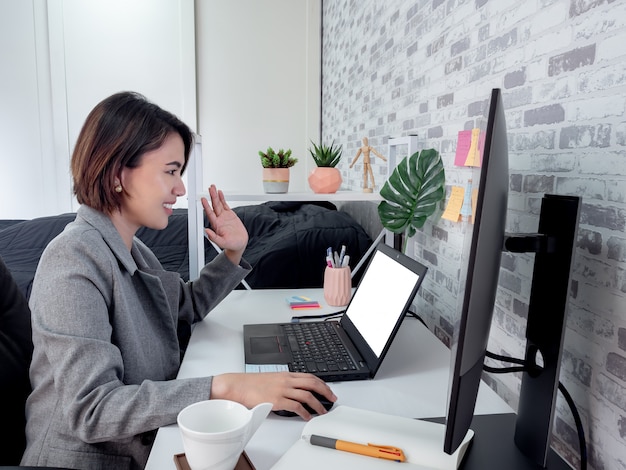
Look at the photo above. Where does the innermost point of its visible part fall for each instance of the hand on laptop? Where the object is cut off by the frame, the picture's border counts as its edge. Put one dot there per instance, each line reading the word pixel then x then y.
pixel 286 390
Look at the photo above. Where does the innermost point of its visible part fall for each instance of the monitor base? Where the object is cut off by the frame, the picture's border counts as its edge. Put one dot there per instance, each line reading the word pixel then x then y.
pixel 493 447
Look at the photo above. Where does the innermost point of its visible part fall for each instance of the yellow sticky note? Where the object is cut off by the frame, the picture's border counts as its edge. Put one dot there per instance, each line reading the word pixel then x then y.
pixel 472 154
pixel 455 202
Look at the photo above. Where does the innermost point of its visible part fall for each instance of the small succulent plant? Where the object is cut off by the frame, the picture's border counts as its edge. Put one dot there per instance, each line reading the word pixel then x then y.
pixel 326 156
pixel 280 159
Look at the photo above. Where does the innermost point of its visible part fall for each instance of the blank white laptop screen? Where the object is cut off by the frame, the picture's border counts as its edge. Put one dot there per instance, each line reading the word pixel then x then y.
pixel 380 299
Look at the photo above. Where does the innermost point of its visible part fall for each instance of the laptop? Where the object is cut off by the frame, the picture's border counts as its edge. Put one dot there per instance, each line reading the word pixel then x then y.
pixel 361 338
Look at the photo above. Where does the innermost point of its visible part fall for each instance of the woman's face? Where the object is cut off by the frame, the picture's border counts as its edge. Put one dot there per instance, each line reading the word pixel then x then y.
pixel 151 189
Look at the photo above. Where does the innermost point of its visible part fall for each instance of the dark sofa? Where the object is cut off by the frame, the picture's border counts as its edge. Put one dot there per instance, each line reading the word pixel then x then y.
pixel 287 245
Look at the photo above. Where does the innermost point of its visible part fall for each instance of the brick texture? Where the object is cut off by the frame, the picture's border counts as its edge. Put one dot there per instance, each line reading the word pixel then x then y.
pixel 401 67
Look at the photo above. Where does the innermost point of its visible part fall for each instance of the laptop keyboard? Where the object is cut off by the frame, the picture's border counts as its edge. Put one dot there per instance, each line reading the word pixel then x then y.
pixel 316 347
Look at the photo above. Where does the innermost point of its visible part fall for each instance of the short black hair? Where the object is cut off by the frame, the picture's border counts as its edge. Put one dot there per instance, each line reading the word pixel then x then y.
pixel 116 133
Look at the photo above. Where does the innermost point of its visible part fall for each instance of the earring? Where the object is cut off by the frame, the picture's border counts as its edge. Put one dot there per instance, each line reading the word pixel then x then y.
pixel 118 188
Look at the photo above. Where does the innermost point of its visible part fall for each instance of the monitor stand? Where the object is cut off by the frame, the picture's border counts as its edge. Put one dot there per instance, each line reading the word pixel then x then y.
pixel 522 441
pixel 554 247
pixel 493 446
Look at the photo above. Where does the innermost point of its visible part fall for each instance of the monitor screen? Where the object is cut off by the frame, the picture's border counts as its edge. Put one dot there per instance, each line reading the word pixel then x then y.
pixel 479 273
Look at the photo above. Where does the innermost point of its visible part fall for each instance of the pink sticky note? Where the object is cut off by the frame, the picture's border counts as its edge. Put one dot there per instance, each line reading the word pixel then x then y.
pixel 463 144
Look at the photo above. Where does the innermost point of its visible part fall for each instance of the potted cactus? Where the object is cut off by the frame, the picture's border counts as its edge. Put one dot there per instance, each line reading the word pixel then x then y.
pixel 325 178
pixel 276 169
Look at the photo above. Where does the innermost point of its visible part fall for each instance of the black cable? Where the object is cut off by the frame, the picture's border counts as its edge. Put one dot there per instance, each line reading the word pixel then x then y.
pixel 296 319
pixel 410 313
pixel 335 316
pixel 582 443
pixel 498 357
pixel 503 370
pixel 568 398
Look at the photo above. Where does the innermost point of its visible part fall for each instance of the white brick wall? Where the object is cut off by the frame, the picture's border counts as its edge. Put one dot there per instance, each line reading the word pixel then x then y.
pixel 398 67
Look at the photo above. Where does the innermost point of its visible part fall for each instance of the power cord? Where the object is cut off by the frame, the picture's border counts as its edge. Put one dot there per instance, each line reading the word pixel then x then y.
pixel 333 315
pixel 325 316
pixel 523 367
pixel 412 314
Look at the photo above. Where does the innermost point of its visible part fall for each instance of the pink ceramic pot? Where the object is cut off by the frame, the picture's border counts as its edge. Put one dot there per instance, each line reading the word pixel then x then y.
pixel 325 180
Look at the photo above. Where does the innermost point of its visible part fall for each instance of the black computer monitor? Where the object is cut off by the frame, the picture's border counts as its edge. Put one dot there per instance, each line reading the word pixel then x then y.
pixel 522 440
pixel 481 265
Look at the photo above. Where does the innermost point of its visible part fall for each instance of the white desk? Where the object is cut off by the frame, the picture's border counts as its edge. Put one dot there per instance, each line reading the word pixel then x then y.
pixel 412 381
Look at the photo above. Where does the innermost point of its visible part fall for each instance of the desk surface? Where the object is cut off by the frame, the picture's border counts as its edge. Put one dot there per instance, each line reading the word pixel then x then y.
pixel 411 382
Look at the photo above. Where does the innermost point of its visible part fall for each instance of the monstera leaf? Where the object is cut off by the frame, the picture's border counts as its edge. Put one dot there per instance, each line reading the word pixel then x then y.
pixel 412 192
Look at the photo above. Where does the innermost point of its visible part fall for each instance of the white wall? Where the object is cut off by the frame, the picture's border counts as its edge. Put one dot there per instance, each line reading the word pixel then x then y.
pixel 61 57
pixel 114 45
pixel 258 69
pixel 29 176
pixel 258 85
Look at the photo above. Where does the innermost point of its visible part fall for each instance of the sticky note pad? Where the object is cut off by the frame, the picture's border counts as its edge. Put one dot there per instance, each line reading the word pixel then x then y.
pixel 300 302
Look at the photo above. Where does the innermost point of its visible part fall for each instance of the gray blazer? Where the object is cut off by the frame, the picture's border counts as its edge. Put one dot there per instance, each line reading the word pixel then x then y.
pixel 106 350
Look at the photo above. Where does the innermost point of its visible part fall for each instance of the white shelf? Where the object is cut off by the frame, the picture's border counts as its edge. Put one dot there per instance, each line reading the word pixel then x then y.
pixel 299 196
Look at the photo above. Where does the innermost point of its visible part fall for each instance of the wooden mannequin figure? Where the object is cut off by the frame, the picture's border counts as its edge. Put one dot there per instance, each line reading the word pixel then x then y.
pixel 367 167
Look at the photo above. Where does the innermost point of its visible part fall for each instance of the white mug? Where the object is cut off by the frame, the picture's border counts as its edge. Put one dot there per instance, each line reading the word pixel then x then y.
pixel 215 432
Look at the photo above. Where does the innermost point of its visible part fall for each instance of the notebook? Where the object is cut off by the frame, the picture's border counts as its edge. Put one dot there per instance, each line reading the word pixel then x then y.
pixel 364 332
pixel 420 440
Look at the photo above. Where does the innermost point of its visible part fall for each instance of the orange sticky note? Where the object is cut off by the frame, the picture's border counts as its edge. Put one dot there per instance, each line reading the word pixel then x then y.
pixel 455 202
pixel 481 148
pixel 472 154
pixel 474 199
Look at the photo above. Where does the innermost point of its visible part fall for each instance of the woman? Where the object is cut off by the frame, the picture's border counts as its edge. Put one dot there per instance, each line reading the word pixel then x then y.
pixel 104 312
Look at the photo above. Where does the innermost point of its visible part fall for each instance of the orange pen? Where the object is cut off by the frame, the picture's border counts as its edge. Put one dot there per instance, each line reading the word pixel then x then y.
pixel 371 450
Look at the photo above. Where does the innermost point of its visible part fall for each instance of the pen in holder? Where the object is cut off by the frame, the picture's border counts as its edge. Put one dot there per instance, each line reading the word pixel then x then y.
pixel 337 286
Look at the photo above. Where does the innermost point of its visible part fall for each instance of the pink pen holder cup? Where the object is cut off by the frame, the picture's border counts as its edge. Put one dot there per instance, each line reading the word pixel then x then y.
pixel 337 286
